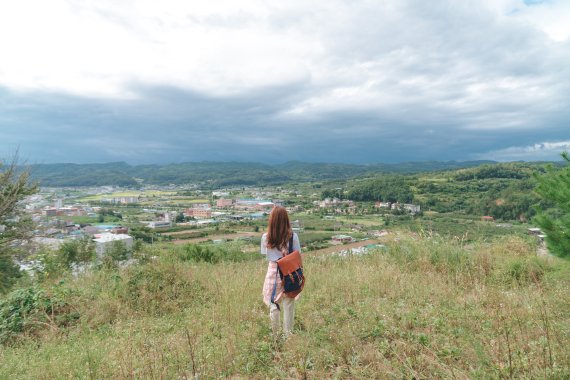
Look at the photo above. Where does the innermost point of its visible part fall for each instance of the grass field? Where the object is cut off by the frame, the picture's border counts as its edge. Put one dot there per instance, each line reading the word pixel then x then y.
pixel 134 193
pixel 428 308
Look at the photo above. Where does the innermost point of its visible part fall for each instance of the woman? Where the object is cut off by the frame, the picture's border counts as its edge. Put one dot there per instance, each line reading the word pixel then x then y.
pixel 275 244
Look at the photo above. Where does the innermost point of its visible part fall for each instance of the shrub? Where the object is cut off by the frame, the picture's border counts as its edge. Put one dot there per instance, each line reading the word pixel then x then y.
pixel 31 309
pixel 526 270
pixel 197 253
pixel 161 288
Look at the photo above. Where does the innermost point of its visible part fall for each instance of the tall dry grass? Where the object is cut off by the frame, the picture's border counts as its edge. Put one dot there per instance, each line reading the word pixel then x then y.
pixel 420 309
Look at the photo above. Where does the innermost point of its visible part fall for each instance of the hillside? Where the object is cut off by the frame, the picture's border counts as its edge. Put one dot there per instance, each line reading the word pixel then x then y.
pixel 423 308
pixel 219 174
pixel 502 190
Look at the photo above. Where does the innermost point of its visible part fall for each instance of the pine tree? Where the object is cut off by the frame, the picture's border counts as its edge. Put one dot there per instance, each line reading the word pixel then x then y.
pixel 554 187
pixel 14 225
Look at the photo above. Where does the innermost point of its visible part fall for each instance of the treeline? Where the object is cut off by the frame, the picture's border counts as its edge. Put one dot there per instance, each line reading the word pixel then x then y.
pixel 68 175
pixel 504 191
pixel 386 189
pixel 220 174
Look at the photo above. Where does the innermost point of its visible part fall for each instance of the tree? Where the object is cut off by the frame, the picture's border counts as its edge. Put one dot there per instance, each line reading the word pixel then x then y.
pixel 15 226
pixel 76 252
pixel 179 218
pixel 554 186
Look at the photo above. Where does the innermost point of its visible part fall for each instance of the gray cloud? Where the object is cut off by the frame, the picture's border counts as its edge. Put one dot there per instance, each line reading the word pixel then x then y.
pixel 390 81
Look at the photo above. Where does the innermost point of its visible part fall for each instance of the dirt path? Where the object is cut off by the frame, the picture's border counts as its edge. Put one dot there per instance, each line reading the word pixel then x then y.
pixel 340 247
pixel 324 251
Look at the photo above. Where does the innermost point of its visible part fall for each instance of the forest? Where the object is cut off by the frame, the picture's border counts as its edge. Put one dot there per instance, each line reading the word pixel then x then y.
pixel 501 190
pixel 220 174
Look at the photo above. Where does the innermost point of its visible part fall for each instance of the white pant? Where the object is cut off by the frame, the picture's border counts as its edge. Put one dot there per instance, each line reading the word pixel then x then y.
pixel 288 306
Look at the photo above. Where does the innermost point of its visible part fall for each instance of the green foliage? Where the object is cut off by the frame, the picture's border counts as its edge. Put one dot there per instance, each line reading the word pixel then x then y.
pixel 526 270
pixel 54 263
pixel 145 234
pixel 115 173
pixel 422 308
pixel 385 188
pixel 554 186
pixel 231 252
pixel 509 170
pixel 114 254
pixel 76 252
pixel 220 174
pixel 9 273
pixel 179 218
pixel 30 309
pixel 159 289
pixel 14 224
pixel 197 253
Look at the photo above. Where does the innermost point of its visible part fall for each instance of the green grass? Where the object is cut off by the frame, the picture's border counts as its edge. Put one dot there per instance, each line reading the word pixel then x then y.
pixel 423 309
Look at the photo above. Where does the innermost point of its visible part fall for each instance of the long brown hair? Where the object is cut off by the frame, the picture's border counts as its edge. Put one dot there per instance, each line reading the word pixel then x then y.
pixel 279 228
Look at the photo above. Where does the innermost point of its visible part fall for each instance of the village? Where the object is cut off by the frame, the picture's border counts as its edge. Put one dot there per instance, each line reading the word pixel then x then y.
pixel 112 216
pixel 184 214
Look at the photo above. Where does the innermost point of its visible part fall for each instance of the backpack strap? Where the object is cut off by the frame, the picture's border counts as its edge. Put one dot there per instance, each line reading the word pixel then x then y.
pixel 277 274
pixel 275 290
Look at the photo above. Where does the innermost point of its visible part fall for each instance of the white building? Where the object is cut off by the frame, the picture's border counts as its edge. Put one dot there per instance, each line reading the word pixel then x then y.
pixel 105 241
pixel 414 209
pixel 159 224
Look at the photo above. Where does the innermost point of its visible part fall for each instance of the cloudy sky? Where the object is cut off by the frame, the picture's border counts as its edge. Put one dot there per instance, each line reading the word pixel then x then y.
pixel 147 81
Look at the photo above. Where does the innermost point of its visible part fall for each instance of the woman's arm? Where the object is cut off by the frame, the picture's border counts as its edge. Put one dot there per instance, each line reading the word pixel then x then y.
pixel 296 243
pixel 263 248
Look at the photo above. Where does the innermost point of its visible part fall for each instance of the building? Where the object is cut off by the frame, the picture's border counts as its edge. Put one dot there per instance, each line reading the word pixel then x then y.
pixel 70 211
pixel 253 204
pixel 221 203
pixel 414 209
pixel 383 205
pixel 297 226
pixel 340 239
pixel 256 216
pixel 103 242
pixel 264 206
pixel 335 202
pixel 159 224
pixel 198 213
pixel 49 212
pixel 120 230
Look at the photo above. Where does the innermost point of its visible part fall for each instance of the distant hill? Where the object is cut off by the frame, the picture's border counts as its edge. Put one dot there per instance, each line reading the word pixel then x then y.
pixel 219 174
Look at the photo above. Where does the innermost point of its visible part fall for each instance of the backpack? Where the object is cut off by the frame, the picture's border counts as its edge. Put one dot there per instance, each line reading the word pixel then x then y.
pixel 290 270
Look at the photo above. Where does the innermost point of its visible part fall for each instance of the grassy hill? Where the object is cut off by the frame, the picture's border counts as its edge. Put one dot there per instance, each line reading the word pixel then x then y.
pixel 424 308
pixel 220 174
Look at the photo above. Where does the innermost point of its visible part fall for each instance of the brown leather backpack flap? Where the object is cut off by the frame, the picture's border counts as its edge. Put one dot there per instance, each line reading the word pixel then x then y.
pixel 290 263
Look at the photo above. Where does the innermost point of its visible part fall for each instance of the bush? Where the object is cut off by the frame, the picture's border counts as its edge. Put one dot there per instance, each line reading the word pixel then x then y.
pixel 163 288
pixel 31 309
pixel 214 254
pixel 197 253
pixel 525 271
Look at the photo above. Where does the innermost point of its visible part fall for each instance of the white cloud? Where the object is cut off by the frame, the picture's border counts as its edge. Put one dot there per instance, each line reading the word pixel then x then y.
pixel 466 71
pixel 543 151
pixel 99 48
pixel 551 17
